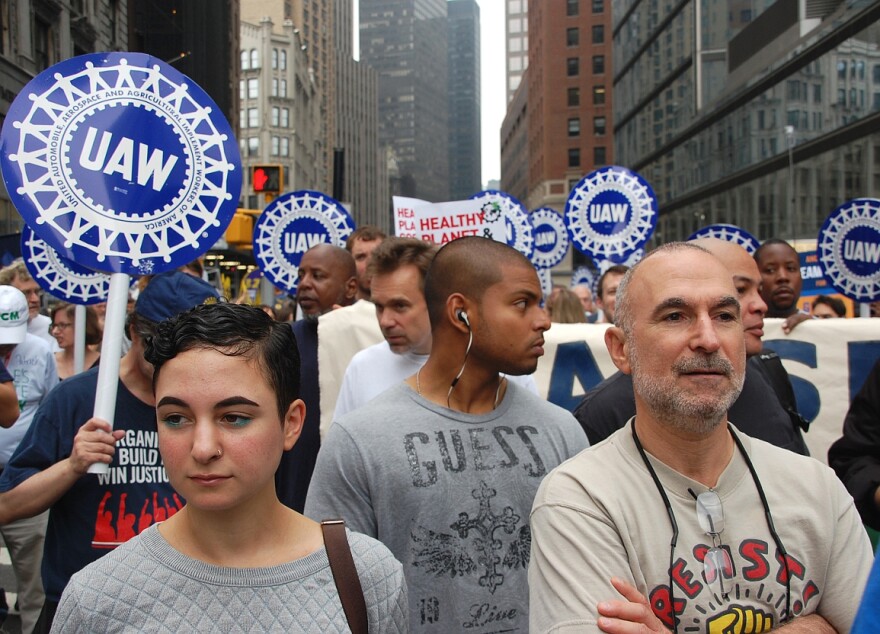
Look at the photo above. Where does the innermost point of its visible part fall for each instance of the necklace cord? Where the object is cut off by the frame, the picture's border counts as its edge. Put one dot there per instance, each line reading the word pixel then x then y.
pixel 776 539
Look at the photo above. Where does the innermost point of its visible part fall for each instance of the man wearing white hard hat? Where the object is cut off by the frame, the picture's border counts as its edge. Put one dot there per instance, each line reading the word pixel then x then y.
pixel 31 363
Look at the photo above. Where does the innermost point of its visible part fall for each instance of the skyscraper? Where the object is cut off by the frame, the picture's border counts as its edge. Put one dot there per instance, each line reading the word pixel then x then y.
pixel 516 31
pixel 464 99
pixel 364 177
pixel 760 114
pixel 405 41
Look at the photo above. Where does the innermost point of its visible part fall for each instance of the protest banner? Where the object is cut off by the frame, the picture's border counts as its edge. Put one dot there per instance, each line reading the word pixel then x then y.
pixel 443 222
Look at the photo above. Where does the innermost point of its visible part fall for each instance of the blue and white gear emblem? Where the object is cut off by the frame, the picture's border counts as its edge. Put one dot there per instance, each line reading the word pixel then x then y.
pixel 62 278
pixel 550 237
pixel 546 280
pixel 611 213
pixel 583 275
pixel 291 225
pixel 728 233
pixel 849 249
pixel 121 163
pixel 516 219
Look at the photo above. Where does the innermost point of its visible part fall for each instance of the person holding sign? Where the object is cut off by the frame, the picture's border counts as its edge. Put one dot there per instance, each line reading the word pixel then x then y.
pixel 679 522
pixel 93 514
pixel 226 384
pixel 443 468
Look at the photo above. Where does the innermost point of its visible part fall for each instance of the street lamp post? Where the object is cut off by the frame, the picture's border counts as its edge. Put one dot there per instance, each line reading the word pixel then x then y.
pixel 789 135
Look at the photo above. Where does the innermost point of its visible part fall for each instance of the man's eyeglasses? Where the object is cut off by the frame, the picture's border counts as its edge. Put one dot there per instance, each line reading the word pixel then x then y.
pixel 60 326
pixel 717 564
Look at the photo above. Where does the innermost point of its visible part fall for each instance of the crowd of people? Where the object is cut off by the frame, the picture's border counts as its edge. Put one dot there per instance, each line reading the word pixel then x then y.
pixel 678 496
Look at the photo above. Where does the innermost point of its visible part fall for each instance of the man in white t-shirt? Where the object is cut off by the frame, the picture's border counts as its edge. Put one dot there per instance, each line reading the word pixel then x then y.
pixel 679 521
pixel 397 269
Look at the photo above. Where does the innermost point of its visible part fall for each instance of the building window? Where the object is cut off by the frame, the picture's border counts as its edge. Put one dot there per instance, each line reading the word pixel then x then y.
pixel 253 118
pixel 255 58
pixel 283 59
pixel 242 89
pixel 599 126
pixel 572 37
pixel 514 25
pixel 598 64
pixel 274 86
pixel 877 73
pixel 841 70
pixel 253 146
pixel 598 6
pixel 598 34
pixel 574 126
pixel 817 93
pixel 514 6
pixel 598 95
pixel 253 88
pixel 242 119
pixel 571 7
pixel 574 96
pixel 599 158
pixel 285 146
pixel 42 44
pixel 574 157
pixel 275 145
pixel 275 116
pixel 285 117
pixel 245 60
pixel 284 88
pixel 573 66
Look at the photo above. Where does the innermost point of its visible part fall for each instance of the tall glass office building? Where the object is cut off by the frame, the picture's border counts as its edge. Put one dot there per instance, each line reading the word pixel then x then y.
pixel 756 113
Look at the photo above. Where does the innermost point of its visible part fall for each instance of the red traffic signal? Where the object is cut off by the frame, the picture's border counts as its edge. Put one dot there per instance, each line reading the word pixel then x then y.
pixel 266 178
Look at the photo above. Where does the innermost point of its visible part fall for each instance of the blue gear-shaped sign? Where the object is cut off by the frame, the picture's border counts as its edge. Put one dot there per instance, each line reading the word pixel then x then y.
pixel 849 249
pixel 62 278
pixel 121 163
pixel 290 226
pixel 516 220
pixel 728 233
pixel 611 213
pixel 550 237
pixel 546 280
pixel 583 275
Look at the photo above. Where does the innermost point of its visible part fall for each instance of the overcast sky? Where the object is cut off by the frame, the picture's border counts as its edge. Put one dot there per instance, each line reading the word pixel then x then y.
pixel 493 96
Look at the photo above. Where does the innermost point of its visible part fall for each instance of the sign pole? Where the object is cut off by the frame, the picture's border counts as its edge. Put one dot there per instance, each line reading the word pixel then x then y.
pixel 111 350
pixel 79 341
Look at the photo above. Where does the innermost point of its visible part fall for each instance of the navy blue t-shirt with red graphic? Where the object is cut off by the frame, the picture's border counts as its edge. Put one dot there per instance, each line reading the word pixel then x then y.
pixel 99 512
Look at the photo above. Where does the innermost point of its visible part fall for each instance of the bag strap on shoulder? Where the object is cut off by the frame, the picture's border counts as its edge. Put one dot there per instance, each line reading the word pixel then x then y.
pixel 345 576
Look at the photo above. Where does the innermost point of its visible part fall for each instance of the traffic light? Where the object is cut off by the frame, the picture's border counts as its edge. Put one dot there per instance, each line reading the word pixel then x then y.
pixel 267 178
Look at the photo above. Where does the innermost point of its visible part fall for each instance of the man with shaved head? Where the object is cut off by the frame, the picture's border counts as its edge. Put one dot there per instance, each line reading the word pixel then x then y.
pixel 443 468
pixel 765 409
pixel 679 522
pixel 327 280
